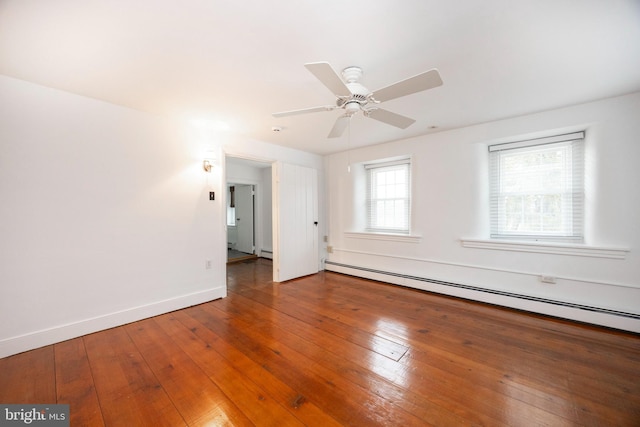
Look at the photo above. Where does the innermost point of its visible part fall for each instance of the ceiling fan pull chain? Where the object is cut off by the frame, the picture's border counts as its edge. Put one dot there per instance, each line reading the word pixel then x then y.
pixel 349 147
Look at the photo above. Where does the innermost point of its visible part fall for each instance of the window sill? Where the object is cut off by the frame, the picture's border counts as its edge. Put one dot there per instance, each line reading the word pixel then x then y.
pixel 406 238
pixel 547 248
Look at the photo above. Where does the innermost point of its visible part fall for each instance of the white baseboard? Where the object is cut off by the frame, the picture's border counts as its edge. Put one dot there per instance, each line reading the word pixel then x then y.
pixel 30 341
pixel 594 315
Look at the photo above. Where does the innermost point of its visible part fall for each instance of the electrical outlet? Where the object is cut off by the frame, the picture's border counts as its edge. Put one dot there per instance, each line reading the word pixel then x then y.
pixel 329 249
pixel 548 279
pixel 326 239
pixel 207 264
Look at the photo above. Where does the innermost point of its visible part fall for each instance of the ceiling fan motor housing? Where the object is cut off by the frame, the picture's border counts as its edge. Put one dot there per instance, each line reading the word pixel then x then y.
pixel 359 94
pixel 352 74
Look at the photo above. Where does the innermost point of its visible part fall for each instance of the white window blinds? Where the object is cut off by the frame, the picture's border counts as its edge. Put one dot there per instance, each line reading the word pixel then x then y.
pixel 388 196
pixel 537 188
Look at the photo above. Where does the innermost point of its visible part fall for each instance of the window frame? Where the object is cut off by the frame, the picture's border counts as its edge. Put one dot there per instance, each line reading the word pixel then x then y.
pixel 372 170
pixel 571 200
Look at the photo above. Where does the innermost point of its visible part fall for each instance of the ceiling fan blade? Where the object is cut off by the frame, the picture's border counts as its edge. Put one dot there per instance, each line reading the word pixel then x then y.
pixel 390 118
pixel 427 80
pixel 340 125
pixel 304 111
pixel 326 74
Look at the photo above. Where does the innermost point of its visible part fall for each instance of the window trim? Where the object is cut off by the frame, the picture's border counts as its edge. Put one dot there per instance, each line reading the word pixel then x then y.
pixel 548 248
pixel 575 218
pixel 387 237
pixel 369 167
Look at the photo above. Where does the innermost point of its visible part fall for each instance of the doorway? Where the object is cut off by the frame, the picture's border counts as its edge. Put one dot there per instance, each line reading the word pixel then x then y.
pixel 285 220
pixel 248 209
pixel 241 237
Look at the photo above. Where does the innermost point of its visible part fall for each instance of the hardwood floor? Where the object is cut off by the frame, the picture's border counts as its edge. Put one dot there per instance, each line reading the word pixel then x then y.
pixel 234 256
pixel 329 350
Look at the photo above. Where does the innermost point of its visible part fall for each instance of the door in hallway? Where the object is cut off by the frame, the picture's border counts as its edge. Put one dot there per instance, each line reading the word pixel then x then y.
pixel 244 195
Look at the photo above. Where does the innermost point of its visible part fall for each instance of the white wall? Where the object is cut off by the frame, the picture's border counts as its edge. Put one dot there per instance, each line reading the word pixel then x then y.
pixel 104 218
pixel 104 214
pixel 450 203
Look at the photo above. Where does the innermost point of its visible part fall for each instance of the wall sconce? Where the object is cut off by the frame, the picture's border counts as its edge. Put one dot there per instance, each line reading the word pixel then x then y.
pixel 208 160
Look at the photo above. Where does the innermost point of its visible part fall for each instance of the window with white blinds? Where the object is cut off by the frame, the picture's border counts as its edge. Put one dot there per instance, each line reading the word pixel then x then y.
pixel 537 188
pixel 388 196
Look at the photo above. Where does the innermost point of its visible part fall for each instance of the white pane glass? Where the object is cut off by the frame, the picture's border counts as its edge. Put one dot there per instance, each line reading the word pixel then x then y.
pixel 533 190
pixel 388 198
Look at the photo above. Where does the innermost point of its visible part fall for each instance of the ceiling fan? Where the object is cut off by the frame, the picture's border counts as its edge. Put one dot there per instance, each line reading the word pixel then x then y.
pixel 352 96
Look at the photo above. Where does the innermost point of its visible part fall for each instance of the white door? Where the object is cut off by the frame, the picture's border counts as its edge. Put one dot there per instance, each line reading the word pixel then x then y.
pixel 295 221
pixel 244 217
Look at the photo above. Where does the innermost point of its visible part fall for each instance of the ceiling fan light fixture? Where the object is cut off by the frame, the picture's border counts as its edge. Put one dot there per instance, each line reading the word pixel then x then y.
pixel 351 108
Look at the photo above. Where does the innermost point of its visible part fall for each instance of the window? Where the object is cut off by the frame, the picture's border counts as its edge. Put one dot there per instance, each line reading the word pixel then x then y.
pixel 231 216
pixel 537 188
pixel 388 197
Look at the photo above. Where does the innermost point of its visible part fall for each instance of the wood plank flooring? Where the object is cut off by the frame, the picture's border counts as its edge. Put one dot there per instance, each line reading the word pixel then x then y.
pixel 331 350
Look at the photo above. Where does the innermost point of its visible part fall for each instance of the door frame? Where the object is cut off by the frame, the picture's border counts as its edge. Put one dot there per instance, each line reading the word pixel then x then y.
pixel 274 204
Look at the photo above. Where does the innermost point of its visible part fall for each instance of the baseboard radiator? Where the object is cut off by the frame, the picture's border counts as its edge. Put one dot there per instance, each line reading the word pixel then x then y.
pixel 491 291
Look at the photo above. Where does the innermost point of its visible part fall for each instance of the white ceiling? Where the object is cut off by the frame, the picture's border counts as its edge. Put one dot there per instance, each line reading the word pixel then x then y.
pixel 239 61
